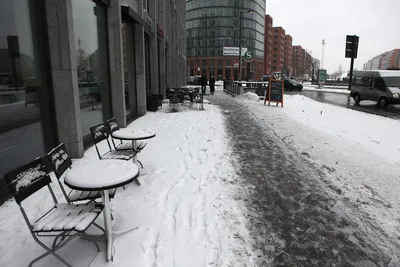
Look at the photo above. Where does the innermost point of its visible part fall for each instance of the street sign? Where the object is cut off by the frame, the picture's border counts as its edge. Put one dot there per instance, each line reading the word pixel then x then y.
pixel 351 46
pixel 248 55
pixel 233 51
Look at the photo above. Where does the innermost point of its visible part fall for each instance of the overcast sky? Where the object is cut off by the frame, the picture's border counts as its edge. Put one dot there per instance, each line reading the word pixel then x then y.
pixel 376 22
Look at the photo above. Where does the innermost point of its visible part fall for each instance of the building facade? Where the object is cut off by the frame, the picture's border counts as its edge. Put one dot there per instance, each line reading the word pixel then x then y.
pixel 214 29
pixel 287 66
pixel 66 65
pixel 298 60
pixel 384 61
pixel 268 43
pixel 278 53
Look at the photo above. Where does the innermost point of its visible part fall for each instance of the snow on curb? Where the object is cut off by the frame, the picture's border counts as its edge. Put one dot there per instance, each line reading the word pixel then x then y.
pixel 327 90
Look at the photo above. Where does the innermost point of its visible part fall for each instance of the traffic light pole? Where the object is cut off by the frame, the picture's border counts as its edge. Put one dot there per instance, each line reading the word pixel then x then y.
pixel 351 72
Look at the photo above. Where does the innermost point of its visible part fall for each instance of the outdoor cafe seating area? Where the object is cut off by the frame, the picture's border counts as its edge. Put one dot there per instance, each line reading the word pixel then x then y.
pixel 87 189
pixel 187 95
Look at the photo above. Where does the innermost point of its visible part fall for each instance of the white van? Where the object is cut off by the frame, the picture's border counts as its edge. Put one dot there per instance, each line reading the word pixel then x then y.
pixel 382 86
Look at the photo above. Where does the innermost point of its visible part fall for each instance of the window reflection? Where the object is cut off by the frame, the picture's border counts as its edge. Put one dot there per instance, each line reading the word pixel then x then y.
pixel 21 84
pixel 90 32
pixel 129 68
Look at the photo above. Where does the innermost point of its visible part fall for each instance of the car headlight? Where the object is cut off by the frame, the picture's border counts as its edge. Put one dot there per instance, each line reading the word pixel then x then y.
pixel 395 95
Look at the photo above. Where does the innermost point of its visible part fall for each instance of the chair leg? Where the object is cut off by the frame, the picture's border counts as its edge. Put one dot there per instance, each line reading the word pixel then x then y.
pixel 140 163
pixel 51 251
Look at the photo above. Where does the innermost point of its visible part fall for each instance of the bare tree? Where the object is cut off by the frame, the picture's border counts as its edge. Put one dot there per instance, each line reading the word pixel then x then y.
pixel 340 69
pixel 82 62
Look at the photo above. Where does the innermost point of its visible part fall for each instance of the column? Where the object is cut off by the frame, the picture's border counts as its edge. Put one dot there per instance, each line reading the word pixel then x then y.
pixel 64 75
pixel 163 71
pixel 154 48
pixel 140 69
pixel 116 62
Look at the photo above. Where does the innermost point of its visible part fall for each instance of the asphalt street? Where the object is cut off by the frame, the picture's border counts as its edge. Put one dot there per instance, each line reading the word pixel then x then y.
pixel 391 111
pixel 294 218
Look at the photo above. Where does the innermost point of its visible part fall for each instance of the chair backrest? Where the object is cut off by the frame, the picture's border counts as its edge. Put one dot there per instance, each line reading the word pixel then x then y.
pixel 99 132
pixel 27 179
pixel 112 125
pixel 59 160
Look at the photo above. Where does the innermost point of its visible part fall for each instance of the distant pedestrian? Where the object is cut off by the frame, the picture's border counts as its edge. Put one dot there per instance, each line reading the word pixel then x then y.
pixel 212 85
pixel 203 82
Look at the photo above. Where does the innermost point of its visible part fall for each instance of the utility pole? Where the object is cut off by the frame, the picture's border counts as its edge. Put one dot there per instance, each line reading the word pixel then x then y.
pixel 323 51
pixel 240 46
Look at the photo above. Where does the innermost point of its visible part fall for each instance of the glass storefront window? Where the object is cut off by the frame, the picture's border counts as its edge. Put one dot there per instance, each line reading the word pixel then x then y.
pixel 25 98
pixel 129 68
pixel 90 33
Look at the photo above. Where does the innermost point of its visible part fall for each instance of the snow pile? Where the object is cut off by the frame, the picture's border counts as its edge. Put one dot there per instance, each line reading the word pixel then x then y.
pixel 249 96
pixel 358 152
pixel 184 208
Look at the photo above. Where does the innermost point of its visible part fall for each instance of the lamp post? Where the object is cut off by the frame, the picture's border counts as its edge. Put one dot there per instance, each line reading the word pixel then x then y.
pixel 240 46
pixel 240 41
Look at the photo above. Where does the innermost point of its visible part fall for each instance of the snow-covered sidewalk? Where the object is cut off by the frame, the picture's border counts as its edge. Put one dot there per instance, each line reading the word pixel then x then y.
pixel 185 208
pixel 359 152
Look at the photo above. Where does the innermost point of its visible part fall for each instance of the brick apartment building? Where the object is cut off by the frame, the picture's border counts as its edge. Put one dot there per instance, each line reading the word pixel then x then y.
pixel 298 59
pixel 302 61
pixel 268 43
pixel 288 63
pixel 278 53
pixel 384 61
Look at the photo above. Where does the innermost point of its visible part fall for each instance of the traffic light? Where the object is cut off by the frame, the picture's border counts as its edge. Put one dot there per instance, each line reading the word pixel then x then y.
pixel 351 46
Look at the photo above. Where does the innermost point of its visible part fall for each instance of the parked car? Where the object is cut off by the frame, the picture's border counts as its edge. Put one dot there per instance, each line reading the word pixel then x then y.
pixel 264 78
pixel 291 84
pixel 382 86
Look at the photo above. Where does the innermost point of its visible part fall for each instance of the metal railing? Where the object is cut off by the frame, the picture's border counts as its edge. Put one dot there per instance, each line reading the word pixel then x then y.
pixel 238 88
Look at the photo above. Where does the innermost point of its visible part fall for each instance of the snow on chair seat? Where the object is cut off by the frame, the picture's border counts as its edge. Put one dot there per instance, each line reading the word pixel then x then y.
pixel 65 217
pixel 112 126
pixel 63 222
pixel 100 133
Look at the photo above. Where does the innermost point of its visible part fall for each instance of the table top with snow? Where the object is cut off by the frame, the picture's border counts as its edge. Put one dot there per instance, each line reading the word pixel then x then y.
pixel 133 134
pixel 101 174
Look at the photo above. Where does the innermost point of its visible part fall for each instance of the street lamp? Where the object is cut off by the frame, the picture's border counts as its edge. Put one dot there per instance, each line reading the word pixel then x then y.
pixel 240 41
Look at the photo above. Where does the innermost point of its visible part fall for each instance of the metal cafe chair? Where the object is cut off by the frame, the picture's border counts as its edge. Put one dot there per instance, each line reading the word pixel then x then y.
pixel 63 221
pixel 100 133
pixel 112 126
pixel 61 162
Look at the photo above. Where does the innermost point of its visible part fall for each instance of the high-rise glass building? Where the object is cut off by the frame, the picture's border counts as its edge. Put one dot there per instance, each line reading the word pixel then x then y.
pixel 214 29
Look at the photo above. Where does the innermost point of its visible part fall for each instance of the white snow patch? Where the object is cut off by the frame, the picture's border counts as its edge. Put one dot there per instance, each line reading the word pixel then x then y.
pixel 249 96
pixel 26 178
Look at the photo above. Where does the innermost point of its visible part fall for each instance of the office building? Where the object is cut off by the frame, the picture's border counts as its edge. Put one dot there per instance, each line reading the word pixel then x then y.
pixel 214 30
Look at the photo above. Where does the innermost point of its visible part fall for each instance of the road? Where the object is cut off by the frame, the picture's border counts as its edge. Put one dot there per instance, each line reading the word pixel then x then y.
pixel 294 220
pixel 391 111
